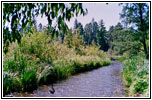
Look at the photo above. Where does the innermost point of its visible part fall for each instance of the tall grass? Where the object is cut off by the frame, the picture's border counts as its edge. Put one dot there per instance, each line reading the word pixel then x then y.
pixel 136 76
pixel 42 60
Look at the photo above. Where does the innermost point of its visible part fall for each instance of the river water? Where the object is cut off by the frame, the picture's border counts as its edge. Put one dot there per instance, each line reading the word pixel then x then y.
pixel 101 82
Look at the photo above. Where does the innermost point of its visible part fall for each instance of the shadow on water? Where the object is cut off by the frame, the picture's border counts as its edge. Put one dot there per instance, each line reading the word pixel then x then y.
pixel 101 82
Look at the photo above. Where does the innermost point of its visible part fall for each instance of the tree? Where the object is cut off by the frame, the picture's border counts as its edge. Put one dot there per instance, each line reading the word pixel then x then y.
pixel 137 14
pixel 116 37
pixel 90 32
pixel 78 25
pixel 19 15
pixel 87 35
pixel 110 38
pixel 101 39
pixel 95 30
pixel 122 41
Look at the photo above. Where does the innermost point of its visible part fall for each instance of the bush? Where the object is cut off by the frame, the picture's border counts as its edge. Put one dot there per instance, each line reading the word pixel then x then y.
pixel 29 80
pixel 10 83
pixel 136 76
pixel 140 86
pixel 16 64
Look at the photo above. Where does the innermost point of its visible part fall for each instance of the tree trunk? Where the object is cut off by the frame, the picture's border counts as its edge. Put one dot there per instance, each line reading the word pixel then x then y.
pixel 145 49
pixel 143 30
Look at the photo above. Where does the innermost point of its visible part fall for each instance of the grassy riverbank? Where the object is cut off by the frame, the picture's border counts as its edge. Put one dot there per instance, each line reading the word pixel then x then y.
pixel 38 59
pixel 136 76
pixel 118 58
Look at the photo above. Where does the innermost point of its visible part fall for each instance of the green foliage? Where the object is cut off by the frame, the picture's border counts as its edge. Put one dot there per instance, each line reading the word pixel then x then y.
pixel 34 44
pixel 140 86
pixel 21 15
pixel 10 83
pixel 29 80
pixel 101 37
pixel 18 63
pixel 74 40
pixel 138 14
pixel 94 32
pixel 129 80
pixel 78 26
pixel 122 41
pixel 132 38
pixel 90 32
pixel 136 76
pixel 42 60
pixel 119 58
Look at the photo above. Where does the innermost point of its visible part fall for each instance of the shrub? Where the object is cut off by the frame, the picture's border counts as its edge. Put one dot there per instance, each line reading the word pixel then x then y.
pixel 36 44
pixel 29 80
pixel 140 86
pixel 136 76
pixel 18 63
pixel 10 83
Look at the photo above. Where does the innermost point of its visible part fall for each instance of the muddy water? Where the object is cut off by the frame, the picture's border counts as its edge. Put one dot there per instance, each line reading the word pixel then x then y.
pixel 101 82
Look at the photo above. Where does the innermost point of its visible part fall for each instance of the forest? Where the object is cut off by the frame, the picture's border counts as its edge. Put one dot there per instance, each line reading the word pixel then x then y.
pixel 35 55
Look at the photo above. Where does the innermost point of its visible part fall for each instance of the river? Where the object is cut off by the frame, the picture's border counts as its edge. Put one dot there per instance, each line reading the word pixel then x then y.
pixel 102 82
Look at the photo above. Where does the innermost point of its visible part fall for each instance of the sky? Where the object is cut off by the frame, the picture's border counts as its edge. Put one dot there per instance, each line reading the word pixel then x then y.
pixel 109 13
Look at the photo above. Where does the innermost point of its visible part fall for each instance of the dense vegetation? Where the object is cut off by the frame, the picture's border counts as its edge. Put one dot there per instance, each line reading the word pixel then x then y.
pixel 42 60
pixel 45 54
pixel 21 15
pixel 136 76
pixel 136 70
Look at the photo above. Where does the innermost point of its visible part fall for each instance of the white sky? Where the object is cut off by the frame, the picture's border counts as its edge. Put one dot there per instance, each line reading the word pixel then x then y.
pixel 109 13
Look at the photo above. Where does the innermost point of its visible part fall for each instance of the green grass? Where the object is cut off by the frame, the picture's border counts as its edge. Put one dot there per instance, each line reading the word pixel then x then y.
pixel 136 76
pixel 118 58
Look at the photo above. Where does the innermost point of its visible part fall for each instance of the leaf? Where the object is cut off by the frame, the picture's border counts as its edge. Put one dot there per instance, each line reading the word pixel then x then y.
pixel 56 10
pixel 49 20
pixel 4 21
pixel 72 15
pixel 53 15
pixel 57 33
pixel 77 12
pixel 59 20
pixel 53 32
